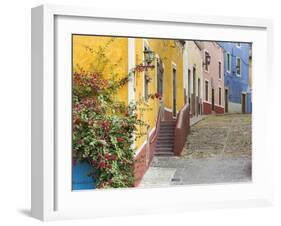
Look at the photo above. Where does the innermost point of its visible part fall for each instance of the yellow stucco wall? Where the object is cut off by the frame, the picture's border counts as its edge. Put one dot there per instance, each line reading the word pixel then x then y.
pixel 195 60
pixel 85 48
pixel 117 52
pixel 170 55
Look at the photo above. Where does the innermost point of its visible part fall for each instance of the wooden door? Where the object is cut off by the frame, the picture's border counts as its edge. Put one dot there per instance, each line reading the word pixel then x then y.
pixel 226 100
pixel 189 91
pixel 213 99
pixel 243 103
pixel 160 86
pixel 194 91
pixel 174 93
pixel 160 71
pixel 199 97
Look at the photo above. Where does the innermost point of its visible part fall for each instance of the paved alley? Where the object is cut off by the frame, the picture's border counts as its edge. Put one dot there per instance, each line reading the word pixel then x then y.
pixel 218 150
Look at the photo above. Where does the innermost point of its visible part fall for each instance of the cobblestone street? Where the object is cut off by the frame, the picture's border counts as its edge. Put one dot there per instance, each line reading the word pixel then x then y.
pixel 218 150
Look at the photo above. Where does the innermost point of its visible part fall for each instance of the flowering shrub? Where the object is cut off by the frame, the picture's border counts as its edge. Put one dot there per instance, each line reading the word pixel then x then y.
pixel 105 141
pixel 103 128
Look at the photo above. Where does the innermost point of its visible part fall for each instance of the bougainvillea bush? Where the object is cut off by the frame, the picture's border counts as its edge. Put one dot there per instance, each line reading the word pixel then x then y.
pixel 103 130
pixel 103 127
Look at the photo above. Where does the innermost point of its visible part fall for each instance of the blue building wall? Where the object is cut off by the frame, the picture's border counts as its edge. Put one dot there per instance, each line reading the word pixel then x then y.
pixel 237 84
pixel 80 178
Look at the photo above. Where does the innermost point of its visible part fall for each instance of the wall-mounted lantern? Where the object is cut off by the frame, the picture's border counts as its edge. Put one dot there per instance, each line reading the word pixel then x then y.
pixel 148 55
pixel 148 59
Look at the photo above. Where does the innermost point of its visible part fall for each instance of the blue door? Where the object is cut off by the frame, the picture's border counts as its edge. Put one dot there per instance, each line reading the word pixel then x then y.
pixel 80 178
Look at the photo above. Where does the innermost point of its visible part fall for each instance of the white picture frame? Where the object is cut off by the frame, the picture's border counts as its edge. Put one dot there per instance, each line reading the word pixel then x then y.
pixel 49 199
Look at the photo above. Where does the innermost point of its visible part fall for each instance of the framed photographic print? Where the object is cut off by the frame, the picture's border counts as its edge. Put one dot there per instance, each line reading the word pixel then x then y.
pixel 136 113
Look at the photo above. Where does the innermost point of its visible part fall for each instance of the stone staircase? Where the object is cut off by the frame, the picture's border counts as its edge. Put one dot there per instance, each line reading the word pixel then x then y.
pixel 166 138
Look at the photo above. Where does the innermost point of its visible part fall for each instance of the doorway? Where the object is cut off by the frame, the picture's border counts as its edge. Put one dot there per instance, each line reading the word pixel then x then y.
pixel 213 99
pixel 160 71
pixel 243 103
pixel 160 86
pixel 174 93
pixel 189 91
pixel 199 97
pixel 193 91
pixel 226 100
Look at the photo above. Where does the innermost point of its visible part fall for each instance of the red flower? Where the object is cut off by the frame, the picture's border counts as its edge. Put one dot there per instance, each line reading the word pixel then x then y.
pixel 120 139
pixel 113 157
pixel 109 166
pixel 77 121
pixel 94 162
pixel 102 164
pixel 158 96
pixel 107 156
pixel 80 141
pixel 105 125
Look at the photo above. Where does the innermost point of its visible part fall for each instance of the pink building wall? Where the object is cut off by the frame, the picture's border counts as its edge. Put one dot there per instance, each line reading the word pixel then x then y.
pixel 212 77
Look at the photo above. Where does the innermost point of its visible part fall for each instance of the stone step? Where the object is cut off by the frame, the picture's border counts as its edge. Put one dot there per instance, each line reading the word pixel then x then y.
pixel 169 136
pixel 165 142
pixel 168 123
pixel 164 149
pixel 162 143
pixel 164 153
pixel 170 133
pixel 166 137
pixel 167 131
